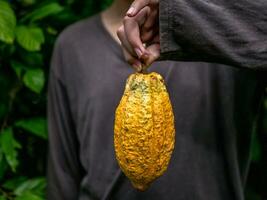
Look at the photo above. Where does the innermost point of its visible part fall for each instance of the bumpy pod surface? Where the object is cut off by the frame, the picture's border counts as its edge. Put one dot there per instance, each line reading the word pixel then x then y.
pixel 144 132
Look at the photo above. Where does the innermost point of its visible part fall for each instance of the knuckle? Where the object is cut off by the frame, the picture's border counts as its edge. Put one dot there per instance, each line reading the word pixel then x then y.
pixel 147 9
pixel 120 31
pixel 127 57
pixel 130 61
pixel 155 56
pixel 126 19
pixel 147 27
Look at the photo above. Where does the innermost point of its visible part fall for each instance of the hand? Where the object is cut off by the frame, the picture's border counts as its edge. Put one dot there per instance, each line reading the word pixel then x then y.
pixel 139 34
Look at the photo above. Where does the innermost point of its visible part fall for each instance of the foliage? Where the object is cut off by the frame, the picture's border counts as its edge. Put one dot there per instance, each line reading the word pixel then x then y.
pixel 28 29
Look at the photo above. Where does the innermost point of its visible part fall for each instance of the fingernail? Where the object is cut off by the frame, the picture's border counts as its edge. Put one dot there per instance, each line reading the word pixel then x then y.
pixel 138 52
pixel 135 66
pixel 130 11
pixel 138 67
pixel 145 56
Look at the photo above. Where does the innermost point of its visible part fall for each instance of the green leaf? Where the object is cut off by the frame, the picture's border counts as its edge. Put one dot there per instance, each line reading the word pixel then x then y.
pixel 13 183
pixel 30 38
pixel 31 59
pixel 67 16
pixel 29 196
pixel 69 2
pixel 43 11
pixel 2 198
pixel 255 148
pixel 36 126
pixel 106 4
pixel 252 195
pixel 51 30
pixel 36 186
pixel 3 164
pixel 34 79
pixel 7 22
pixel 28 2
pixel 7 50
pixel 9 147
pixel 3 110
pixel 18 68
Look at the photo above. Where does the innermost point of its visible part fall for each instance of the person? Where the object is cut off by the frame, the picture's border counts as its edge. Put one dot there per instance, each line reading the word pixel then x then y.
pixel 225 32
pixel 215 108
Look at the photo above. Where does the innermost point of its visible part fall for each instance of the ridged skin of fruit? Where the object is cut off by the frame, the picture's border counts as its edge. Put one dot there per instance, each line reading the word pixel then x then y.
pixel 144 133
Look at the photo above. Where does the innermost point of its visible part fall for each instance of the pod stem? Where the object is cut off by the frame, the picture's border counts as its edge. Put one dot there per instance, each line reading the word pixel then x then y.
pixel 144 70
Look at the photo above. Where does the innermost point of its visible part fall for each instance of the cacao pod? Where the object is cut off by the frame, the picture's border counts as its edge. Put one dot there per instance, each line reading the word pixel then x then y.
pixel 144 132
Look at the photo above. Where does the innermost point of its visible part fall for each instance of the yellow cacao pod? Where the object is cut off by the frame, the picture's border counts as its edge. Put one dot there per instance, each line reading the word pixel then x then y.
pixel 144 132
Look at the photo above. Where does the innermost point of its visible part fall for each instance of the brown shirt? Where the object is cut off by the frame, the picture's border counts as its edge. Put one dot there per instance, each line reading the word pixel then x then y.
pixel 215 107
pixel 220 31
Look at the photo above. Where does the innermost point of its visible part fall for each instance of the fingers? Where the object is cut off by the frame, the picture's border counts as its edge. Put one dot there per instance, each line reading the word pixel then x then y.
pixel 124 41
pixel 132 31
pixel 152 20
pixel 148 36
pixel 136 6
pixel 129 54
pixel 140 26
pixel 154 51
pixel 134 62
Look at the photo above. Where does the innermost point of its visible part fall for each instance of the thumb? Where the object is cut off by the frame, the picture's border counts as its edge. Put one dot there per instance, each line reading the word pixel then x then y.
pixel 154 53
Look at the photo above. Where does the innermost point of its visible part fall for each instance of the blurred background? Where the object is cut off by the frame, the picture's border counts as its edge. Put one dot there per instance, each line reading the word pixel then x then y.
pixel 28 30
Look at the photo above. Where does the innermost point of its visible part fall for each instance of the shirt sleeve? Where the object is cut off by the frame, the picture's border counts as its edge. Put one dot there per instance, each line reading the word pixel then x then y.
pixel 64 171
pixel 219 31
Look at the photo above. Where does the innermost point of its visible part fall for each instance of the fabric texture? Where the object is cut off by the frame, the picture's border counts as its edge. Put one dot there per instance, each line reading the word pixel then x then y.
pixel 215 108
pixel 220 31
